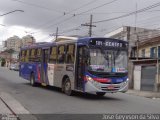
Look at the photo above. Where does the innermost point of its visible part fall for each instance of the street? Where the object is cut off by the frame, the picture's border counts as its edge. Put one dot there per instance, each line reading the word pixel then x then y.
pixel 41 100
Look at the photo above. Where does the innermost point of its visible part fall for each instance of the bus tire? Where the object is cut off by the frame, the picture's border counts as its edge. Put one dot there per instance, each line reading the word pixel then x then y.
pixel 32 80
pixel 67 87
pixel 100 94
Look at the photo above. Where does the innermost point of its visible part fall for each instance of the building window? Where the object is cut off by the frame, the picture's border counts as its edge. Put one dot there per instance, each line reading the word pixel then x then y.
pixel 153 52
pixel 143 53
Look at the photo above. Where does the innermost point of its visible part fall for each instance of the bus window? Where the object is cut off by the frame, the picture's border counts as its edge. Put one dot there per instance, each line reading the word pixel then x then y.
pixel 38 54
pixel 46 55
pixel 27 56
pixel 70 58
pixel 53 55
pixel 33 52
pixel 61 54
pixel 32 56
pixel 22 57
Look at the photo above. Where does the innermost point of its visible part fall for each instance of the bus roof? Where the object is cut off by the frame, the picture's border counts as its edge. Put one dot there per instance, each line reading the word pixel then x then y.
pixel 83 40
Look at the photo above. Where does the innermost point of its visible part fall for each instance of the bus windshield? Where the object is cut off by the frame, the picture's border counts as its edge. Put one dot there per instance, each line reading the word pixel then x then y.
pixel 108 61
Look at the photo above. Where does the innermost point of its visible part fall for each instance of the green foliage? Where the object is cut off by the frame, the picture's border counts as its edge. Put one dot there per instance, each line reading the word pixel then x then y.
pixel 3 61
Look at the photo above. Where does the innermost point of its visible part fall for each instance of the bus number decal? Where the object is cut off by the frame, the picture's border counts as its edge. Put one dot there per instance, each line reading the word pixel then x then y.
pixel 69 68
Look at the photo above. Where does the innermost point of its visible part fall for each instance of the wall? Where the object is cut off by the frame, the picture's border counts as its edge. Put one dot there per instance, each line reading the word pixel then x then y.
pixel 137 77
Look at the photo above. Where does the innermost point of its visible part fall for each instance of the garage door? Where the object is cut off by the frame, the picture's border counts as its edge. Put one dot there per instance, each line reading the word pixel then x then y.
pixel 148 78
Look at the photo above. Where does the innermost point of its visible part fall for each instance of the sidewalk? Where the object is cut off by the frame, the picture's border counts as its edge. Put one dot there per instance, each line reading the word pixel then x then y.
pixel 11 109
pixel 147 94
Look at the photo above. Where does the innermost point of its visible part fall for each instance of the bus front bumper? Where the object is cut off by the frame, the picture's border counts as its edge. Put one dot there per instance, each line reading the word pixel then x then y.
pixel 93 87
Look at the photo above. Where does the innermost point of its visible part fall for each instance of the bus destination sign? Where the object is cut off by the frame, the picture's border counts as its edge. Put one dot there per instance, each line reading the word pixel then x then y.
pixel 108 43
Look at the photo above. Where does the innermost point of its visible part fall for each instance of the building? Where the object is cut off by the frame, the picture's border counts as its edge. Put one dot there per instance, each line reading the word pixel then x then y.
pixel 146 72
pixel 28 40
pixel 133 35
pixel 11 43
pixel 18 45
pixel 1 48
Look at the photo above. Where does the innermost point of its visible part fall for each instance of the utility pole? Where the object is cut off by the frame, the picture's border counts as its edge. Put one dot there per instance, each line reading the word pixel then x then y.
pixel 137 46
pixel 157 80
pixel 90 25
pixel 56 33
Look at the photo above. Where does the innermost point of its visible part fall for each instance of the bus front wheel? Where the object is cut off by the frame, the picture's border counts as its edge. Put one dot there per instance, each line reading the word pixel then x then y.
pixel 67 87
pixel 32 80
pixel 100 94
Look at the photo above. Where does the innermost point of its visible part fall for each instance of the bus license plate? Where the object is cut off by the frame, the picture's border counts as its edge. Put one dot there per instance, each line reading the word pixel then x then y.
pixel 110 87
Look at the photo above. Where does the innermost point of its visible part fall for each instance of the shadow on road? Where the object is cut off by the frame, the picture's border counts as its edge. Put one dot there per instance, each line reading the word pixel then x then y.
pixel 79 95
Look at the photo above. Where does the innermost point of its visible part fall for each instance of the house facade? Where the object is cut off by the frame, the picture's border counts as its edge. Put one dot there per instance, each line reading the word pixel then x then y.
pixel 146 72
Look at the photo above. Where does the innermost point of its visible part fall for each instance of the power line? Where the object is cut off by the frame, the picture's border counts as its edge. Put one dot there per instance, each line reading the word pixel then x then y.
pixel 38 6
pixel 129 14
pixel 70 30
pixel 67 13
pixel 82 6
pixel 49 26
pixel 12 12
pixel 97 7
pixel 118 12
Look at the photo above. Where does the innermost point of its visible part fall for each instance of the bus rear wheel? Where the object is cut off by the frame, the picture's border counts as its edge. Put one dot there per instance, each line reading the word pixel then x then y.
pixel 100 94
pixel 32 80
pixel 67 87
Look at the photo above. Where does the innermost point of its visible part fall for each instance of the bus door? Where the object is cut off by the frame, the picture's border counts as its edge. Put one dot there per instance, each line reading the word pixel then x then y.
pixel 44 64
pixel 80 67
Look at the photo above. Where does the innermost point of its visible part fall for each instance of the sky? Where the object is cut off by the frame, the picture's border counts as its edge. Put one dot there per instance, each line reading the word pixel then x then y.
pixel 41 17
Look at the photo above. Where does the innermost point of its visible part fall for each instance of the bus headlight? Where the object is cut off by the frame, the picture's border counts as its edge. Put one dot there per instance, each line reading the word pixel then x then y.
pixel 127 79
pixel 125 82
pixel 91 80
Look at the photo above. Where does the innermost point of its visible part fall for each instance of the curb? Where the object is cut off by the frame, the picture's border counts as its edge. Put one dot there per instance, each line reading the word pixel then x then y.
pixel 147 94
pixel 15 107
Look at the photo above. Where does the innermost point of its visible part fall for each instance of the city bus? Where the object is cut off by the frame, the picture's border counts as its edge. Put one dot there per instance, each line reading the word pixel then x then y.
pixel 89 65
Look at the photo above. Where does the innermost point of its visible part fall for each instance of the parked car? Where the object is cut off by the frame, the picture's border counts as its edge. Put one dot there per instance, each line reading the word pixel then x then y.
pixel 14 66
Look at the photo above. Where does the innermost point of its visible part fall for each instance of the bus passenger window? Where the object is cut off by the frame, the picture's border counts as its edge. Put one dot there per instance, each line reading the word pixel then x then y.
pixel 22 58
pixel 70 58
pixel 38 54
pixel 53 55
pixel 27 56
pixel 32 56
pixel 61 54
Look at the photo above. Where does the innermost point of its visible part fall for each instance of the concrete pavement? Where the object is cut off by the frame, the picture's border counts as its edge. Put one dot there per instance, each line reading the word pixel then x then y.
pixel 147 94
pixel 12 109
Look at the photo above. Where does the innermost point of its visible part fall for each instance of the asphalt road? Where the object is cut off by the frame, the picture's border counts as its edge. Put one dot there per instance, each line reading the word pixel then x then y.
pixel 42 100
